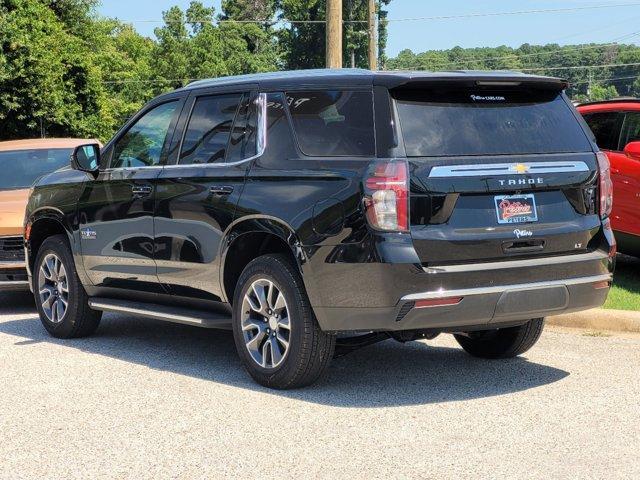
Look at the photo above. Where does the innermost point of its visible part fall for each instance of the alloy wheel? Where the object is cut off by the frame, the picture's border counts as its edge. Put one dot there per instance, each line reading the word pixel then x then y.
pixel 53 288
pixel 265 323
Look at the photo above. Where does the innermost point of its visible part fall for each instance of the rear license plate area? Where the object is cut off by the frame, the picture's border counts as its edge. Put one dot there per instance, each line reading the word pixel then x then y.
pixel 516 208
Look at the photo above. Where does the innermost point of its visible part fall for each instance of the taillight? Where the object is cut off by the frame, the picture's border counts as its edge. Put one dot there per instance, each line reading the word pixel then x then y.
pixel 606 186
pixel 386 198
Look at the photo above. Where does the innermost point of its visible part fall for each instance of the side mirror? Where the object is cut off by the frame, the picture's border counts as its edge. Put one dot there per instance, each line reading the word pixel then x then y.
pixel 86 158
pixel 632 149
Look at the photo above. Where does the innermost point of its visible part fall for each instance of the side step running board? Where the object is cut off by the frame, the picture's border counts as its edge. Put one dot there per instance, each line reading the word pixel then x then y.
pixel 187 316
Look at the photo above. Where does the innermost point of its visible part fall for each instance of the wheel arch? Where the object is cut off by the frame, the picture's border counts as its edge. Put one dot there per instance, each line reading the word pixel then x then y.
pixel 42 225
pixel 251 237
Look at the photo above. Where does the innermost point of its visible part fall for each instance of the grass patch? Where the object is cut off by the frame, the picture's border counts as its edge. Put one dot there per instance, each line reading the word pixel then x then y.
pixel 625 293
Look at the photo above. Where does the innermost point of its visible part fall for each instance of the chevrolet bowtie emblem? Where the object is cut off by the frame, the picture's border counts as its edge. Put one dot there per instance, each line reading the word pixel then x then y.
pixel 520 168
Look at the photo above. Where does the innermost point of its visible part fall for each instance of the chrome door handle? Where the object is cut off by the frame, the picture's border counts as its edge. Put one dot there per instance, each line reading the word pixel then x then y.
pixel 141 190
pixel 221 190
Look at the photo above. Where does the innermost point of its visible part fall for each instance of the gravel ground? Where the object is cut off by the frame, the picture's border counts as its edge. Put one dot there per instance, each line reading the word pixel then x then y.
pixel 142 399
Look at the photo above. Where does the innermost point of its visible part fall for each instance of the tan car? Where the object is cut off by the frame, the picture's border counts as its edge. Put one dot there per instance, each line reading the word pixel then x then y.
pixel 21 163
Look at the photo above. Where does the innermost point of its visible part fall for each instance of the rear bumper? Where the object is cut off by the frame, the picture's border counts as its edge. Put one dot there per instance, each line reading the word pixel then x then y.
pixel 477 308
pixel 394 293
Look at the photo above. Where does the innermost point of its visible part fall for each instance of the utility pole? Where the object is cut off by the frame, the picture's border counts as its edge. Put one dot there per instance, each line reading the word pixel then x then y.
pixel 373 40
pixel 334 33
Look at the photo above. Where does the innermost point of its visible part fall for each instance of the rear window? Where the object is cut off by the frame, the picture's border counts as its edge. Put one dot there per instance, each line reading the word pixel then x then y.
pixel 333 123
pixel 472 122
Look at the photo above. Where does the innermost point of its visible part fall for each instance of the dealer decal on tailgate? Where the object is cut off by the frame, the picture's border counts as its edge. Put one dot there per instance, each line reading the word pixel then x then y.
pixel 516 208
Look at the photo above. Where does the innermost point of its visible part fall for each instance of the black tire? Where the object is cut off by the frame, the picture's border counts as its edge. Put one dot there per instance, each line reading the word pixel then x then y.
pixel 310 349
pixel 78 320
pixel 504 342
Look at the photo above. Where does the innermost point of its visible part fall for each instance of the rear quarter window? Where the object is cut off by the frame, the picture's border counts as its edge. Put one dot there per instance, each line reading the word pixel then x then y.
pixel 606 128
pixel 331 123
pixel 461 122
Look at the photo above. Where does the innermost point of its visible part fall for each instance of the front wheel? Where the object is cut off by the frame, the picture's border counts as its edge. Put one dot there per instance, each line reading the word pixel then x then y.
pixel 503 342
pixel 275 331
pixel 62 303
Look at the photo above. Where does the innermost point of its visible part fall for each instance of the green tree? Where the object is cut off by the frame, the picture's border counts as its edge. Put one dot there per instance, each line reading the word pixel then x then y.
pixel 303 44
pixel 581 65
pixel 600 92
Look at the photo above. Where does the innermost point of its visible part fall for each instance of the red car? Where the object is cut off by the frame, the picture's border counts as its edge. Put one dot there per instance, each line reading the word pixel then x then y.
pixel 616 126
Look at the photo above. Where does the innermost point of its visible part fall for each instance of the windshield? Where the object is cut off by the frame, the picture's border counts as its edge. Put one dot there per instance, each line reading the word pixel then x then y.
pixel 451 122
pixel 20 168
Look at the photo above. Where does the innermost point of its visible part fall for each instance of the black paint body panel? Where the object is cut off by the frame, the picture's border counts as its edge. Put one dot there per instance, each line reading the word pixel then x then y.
pixel 171 246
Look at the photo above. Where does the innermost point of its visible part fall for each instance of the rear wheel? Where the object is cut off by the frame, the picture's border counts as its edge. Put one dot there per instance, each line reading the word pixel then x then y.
pixel 275 331
pixel 503 342
pixel 62 303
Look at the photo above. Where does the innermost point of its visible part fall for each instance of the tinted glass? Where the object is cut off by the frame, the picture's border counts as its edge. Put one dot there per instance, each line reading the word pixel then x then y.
pixel 333 123
pixel 630 129
pixel 209 128
pixel 606 128
pixel 142 145
pixel 242 143
pixel 471 122
pixel 20 168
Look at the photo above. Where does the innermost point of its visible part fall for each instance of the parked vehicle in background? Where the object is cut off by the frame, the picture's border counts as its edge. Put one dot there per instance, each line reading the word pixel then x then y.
pixel 616 126
pixel 296 206
pixel 21 163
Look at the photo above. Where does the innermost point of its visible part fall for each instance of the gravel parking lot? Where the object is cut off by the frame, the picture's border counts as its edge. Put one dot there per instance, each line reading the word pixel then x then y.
pixel 143 399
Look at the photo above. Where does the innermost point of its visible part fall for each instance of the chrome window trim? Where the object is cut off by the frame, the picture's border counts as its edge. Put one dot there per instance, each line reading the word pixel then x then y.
pixel 492 169
pixel 531 262
pixel 261 140
pixel 503 288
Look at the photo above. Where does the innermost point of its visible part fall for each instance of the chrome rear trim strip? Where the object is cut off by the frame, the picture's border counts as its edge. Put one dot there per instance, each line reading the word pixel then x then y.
pixel 492 169
pixel 532 262
pixel 503 288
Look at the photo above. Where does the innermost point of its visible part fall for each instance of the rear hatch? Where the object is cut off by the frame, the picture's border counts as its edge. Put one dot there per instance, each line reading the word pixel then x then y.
pixel 497 171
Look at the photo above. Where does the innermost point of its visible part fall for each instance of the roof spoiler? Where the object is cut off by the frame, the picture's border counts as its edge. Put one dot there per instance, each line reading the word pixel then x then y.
pixel 415 80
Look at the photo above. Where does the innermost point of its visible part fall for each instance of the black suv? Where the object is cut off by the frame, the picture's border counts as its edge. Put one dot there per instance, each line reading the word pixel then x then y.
pixel 316 210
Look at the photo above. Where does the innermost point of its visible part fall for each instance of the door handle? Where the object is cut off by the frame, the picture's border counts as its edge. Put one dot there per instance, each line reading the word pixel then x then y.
pixel 141 190
pixel 221 190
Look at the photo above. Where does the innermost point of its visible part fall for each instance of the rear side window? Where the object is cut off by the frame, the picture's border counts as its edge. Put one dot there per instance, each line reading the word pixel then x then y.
pixel 456 122
pixel 606 128
pixel 631 128
pixel 207 135
pixel 242 142
pixel 333 123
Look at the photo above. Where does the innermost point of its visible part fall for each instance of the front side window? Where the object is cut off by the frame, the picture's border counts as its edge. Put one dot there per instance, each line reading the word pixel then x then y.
pixel 460 121
pixel 207 136
pixel 605 127
pixel 630 129
pixel 142 144
pixel 21 168
pixel 333 123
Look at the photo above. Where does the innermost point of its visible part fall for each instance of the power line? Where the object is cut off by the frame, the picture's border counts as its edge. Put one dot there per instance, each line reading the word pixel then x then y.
pixel 581 66
pixel 408 19
pixel 516 56
pixel 518 12
pixel 560 50
pixel 610 79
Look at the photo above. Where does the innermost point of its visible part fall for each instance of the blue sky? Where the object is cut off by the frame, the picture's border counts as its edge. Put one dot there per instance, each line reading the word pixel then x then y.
pixel 601 25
